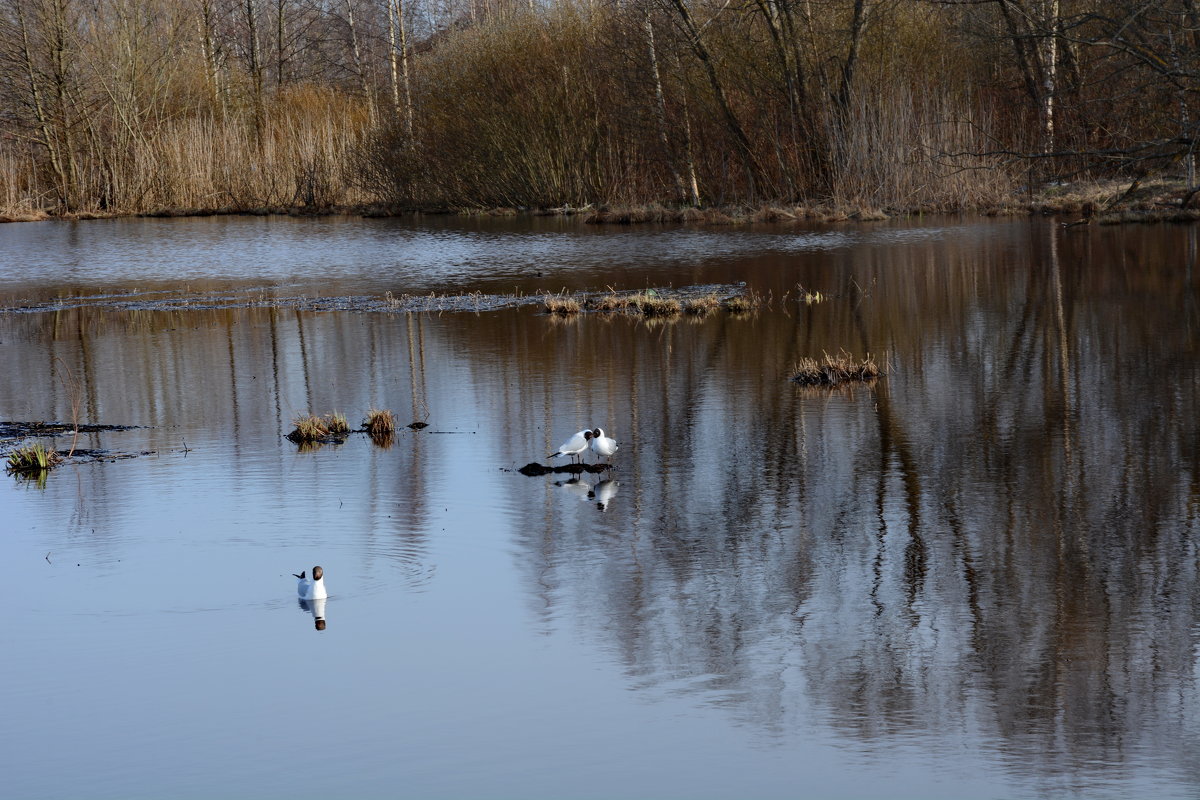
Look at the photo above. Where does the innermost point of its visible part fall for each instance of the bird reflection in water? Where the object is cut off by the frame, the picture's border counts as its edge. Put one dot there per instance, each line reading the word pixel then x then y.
pixel 317 607
pixel 603 493
pixel 580 488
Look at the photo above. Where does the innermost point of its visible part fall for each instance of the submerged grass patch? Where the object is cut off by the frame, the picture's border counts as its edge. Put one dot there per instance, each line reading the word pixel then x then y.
pixel 833 370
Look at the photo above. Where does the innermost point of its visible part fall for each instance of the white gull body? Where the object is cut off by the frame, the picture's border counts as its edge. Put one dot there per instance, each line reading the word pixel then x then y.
pixel 313 589
pixel 603 446
pixel 574 446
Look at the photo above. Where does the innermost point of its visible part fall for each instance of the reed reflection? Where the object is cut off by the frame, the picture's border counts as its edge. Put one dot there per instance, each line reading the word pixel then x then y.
pixel 234 380
pixel 997 539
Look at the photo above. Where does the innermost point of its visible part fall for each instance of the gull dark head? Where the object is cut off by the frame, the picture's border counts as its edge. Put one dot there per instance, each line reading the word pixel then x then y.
pixel 598 433
pixel 587 435
pixel 318 573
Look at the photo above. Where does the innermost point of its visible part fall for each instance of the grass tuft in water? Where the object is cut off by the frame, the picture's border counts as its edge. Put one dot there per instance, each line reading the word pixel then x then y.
pixel 610 302
pixel 337 423
pixel 742 303
pixel 561 304
pixel 380 423
pixel 309 428
pixel 833 370
pixel 652 305
pixel 702 305
pixel 33 458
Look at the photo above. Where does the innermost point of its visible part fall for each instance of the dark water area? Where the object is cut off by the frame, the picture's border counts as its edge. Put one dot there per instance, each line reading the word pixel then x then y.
pixel 975 577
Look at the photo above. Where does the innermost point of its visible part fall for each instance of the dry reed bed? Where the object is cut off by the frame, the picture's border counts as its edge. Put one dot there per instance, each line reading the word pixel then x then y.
pixel 834 370
pixel 379 424
pixel 650 303
pixel 734 215
pixel 311 428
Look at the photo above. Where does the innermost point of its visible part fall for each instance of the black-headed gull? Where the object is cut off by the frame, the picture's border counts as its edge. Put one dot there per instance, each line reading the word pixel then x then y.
pixel 603 446
pixel 574 446
pixel 312 589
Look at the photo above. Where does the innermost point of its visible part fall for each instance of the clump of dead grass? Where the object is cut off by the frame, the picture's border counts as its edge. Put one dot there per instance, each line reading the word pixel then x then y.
pixel 610 302
pixel 654 305
pixel 380 423
pixel 701 306
pixel 308 428
pixel 833 370
pixel 561 304
pixel 742 303
pixel 337 423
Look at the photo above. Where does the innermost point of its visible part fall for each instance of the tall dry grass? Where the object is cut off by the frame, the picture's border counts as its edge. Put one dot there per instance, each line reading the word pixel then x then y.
pixel 903 150
pixel 304 159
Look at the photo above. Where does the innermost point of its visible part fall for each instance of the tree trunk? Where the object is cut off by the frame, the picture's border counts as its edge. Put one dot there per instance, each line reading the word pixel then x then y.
pixel 399 62
pixel 48 139
pixel 254 56
pixel 740 139
pixel 858 26
pixel 660 108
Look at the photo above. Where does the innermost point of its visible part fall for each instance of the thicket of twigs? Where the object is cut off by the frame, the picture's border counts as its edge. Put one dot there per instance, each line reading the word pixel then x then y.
pixel 124 106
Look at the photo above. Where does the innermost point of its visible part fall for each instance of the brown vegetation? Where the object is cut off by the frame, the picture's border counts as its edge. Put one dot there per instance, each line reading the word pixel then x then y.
pixel 380 423
pixel 311 428
pixel 700 306
pixel 742 303
pixel 833 370
pixel 650 111
pixel 561 304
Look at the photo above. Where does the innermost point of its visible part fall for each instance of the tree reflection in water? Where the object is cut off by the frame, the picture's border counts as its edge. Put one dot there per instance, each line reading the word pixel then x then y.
pixel 1000 535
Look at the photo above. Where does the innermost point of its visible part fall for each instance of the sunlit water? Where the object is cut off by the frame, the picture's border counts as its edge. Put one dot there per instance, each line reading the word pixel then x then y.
pixel 977 578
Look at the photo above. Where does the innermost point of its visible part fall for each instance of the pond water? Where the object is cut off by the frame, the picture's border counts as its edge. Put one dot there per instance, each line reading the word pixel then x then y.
pixel 977 577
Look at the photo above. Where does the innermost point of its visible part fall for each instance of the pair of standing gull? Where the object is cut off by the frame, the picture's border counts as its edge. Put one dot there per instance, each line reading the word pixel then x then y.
pixel 594 440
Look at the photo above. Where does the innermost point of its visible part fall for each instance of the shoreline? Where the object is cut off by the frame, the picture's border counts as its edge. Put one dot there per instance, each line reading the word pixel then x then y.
pixel 1101 203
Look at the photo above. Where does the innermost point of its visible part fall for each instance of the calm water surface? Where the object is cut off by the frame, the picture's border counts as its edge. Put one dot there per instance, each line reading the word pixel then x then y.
pixel 976 578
